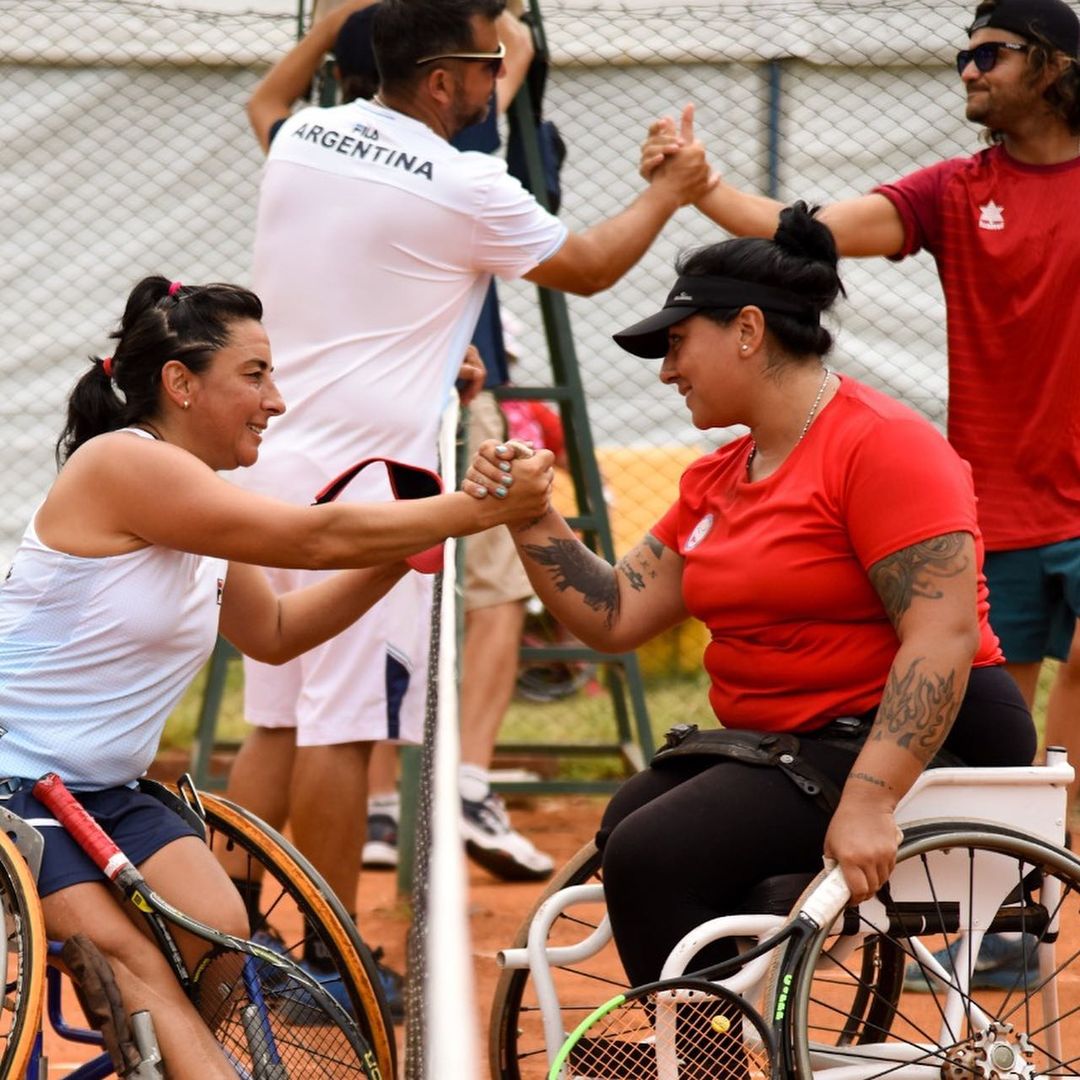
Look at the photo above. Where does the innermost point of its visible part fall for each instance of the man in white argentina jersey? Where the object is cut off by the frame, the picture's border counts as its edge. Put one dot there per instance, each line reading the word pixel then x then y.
pixel 375 242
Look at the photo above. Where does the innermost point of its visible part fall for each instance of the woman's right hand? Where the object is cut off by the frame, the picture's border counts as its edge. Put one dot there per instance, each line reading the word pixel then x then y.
pixel 513 480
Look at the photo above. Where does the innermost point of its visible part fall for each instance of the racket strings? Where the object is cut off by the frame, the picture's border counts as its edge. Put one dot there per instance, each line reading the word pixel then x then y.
pixel 271 1025
pixel 671 1035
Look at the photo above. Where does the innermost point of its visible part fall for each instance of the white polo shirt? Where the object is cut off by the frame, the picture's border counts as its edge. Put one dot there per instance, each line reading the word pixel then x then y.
pixel 375 243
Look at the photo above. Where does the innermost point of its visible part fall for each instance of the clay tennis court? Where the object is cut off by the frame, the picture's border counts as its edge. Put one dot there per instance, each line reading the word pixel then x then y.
pixel 559 824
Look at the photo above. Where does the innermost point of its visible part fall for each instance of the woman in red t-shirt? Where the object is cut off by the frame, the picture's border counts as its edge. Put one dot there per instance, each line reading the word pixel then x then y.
pixel 834 554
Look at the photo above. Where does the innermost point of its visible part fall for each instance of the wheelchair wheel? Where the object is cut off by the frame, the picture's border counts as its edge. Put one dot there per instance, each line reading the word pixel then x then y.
pixel 516 1039
pixel 24 960
pixel 854 1010
pixel 299 905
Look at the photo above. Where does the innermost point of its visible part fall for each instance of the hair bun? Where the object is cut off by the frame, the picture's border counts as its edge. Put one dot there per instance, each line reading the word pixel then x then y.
pixel 800 233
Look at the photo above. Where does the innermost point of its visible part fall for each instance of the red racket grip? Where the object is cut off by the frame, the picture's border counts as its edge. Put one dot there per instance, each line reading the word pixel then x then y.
pixel 86 832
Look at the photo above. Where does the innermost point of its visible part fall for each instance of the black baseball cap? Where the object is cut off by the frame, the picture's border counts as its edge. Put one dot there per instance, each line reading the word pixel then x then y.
pixel 1054 20
pixel 699 292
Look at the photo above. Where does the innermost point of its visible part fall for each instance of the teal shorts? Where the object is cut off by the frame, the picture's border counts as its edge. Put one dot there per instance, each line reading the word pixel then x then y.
pixel 1035 599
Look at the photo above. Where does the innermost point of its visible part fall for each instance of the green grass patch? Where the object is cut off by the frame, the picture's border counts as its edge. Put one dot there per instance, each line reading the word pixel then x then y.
pixel 586 717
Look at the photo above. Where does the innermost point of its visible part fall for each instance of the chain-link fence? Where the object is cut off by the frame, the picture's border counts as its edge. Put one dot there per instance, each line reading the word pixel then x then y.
pixel 126 151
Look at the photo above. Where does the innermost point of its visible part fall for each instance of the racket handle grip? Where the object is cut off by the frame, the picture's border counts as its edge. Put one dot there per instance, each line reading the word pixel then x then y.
pixel 86 832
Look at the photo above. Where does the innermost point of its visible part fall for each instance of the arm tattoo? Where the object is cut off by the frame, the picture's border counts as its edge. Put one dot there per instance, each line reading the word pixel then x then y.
pixel 573 566
pixel 912 571
pixel 868 779
pixel 917 710
pixel 640 563
pixel 637 582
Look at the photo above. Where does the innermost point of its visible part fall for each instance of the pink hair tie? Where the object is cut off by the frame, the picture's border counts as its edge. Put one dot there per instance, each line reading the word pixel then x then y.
pixel 106 366
pixel 174 288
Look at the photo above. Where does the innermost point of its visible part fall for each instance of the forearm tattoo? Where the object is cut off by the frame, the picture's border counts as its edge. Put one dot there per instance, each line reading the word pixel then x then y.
pixel 918 571
pixel 573 566
pixel 867 778
pixel 639 565
pixel 917 710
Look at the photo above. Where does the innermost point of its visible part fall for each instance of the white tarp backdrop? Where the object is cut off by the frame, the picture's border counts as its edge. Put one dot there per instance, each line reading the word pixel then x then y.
pixel 125 151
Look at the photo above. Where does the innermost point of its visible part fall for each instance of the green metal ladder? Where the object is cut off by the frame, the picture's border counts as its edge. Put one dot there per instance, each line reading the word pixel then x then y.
pixel 632 742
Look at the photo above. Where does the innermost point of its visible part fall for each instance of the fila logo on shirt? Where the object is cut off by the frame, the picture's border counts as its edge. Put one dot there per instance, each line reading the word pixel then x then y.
pixel 220 590
pixel 701 530
pixel 992 217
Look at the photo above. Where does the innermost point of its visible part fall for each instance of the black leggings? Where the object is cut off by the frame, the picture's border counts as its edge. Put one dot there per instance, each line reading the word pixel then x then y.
pixel 687 842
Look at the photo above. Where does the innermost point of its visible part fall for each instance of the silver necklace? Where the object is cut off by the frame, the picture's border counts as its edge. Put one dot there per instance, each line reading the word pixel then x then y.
pixel 806 426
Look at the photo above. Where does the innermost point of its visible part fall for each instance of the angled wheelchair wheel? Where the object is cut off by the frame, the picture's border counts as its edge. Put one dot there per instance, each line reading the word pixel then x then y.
pixel 516 1037
pixel 298 906
pixel 908 987
pixel 24 960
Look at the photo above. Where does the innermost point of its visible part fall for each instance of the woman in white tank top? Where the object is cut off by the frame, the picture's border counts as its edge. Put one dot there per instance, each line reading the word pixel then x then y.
pixel 138 556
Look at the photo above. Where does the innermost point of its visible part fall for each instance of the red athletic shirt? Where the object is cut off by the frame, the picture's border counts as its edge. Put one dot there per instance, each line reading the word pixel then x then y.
pixel 1006 238
pixel 777 569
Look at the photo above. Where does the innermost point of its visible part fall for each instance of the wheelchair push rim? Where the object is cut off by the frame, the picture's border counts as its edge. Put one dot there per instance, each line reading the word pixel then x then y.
pixel 955 1015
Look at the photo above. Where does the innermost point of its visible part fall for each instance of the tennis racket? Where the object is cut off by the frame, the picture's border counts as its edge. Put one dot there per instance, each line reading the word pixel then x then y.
pixel 272 1018
pixel 687 1028
pixel 677 1029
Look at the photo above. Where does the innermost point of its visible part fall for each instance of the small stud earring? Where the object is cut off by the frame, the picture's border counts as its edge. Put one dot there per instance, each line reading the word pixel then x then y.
pixel 186 405
pixel 744 347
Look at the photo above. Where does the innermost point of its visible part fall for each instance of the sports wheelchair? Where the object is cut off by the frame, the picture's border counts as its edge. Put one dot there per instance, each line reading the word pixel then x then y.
pixel 894 987
pixel 292 898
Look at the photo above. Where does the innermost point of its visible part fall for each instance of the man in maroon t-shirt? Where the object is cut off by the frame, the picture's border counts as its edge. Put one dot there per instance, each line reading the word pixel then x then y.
pixel 1004 229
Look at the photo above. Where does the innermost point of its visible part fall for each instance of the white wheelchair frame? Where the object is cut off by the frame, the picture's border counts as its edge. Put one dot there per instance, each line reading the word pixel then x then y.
pixel 1028 800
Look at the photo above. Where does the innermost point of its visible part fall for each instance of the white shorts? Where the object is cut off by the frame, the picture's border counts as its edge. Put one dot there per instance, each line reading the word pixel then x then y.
pixel 367 684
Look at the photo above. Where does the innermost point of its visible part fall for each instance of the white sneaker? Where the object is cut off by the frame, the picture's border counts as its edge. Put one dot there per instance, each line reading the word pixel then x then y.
pixel 493 844
pixel 381 846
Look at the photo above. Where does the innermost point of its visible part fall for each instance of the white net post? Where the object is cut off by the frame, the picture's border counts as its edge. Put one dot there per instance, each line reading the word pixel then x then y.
pixel 442 1000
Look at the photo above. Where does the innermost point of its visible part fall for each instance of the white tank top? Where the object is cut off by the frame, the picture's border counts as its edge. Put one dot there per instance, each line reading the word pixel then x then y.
pixel 94 655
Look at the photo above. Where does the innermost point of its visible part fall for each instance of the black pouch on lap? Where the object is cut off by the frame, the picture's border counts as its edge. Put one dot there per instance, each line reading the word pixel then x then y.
pixel 774 749
pixel 779 750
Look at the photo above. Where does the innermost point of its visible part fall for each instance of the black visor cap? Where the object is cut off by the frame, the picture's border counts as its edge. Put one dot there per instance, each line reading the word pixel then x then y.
pixel 693 293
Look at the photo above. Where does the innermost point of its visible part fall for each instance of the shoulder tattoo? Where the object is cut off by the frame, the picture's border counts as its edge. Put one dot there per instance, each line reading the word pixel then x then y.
pixel 918 571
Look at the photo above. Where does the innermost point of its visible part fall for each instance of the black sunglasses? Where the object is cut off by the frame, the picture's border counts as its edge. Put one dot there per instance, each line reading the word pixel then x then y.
pixel 986 54
pixel 494 60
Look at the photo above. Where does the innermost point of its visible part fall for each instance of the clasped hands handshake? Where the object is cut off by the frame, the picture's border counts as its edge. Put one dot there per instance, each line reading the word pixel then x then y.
pixel 516 475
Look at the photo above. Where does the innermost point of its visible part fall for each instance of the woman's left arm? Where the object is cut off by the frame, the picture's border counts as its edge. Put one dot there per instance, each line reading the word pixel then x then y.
pixel 929 591
pixel 274 628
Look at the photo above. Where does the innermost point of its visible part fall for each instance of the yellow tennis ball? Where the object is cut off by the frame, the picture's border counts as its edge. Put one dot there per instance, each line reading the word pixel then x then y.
pixel 720 1024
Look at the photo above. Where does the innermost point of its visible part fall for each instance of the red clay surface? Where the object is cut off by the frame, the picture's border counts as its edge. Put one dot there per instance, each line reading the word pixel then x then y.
pixel 559 825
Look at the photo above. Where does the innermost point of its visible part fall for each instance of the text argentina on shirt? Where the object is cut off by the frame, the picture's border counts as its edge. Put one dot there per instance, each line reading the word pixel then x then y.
pixel 362 146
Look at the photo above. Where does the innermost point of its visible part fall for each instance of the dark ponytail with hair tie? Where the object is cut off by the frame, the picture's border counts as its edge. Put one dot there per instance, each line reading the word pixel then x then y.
pixel 155 328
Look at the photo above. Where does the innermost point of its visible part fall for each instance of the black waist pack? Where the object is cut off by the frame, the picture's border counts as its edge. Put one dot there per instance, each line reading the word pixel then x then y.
pixel 776 749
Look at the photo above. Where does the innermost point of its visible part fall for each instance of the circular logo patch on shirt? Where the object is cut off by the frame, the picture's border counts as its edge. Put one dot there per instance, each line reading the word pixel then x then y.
pixel 701 530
